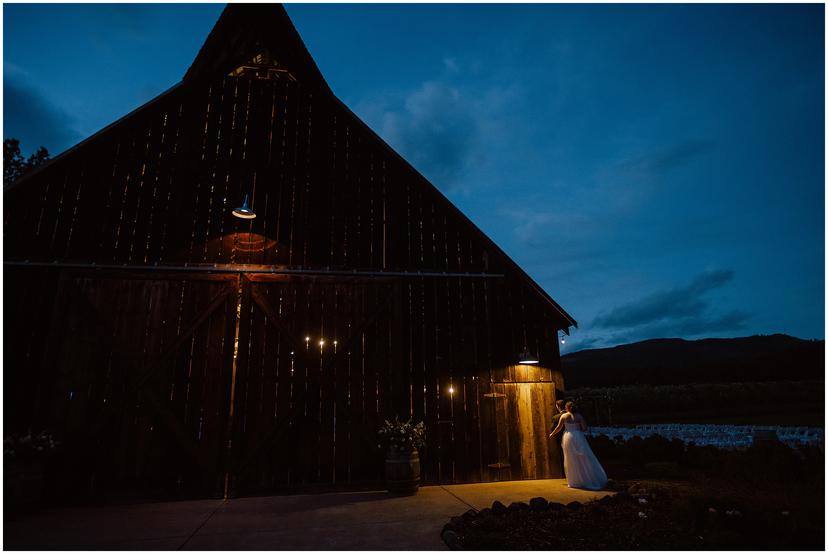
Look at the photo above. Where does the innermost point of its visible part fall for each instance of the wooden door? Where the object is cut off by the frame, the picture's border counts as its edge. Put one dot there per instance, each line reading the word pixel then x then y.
pixel 521 414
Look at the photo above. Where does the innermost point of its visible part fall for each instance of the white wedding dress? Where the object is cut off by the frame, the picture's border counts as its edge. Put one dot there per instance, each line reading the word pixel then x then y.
pixel 582 469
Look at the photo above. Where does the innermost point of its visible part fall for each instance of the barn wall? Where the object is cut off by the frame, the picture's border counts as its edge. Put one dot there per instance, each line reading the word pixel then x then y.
pixel 132 378
pixel 137 368
pixel 133 364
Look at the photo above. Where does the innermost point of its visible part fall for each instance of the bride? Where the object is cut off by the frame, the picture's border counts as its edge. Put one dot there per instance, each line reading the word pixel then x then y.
pixel 582 469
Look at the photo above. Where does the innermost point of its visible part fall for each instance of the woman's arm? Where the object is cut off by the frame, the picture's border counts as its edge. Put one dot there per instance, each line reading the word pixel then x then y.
pixel 557 429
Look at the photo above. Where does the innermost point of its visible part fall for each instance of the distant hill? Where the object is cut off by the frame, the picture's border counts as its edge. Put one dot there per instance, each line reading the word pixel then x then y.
pixel 679 361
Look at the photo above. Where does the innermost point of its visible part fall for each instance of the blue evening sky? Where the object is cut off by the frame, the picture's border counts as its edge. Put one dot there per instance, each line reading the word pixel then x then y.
pixel 658 169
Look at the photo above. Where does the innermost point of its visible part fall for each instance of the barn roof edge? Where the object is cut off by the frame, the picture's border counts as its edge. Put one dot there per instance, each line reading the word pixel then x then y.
pixel 91 138
pixel 229 43
pixel 245 30
pixel 457 212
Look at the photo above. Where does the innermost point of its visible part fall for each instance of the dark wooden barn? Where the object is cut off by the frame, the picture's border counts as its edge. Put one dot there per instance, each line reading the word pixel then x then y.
pixel 175 349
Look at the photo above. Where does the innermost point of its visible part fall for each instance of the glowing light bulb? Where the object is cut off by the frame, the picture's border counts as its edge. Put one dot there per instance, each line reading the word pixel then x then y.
pixel 451 390
pixel 334 343
pixel 321 343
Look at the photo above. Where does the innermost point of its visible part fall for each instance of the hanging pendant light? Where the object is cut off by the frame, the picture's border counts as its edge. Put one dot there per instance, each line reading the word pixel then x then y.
pixel 244 212
pixel 527 358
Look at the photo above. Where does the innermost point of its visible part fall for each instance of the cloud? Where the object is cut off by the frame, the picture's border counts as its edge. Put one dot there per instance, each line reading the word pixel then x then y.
pixel 687 327
pixel 532 227
pixel 30 117
pixel 632 179
pixel 677 312
pixel 131 20
pixel 443 129
pixel 664 160
pixel 696 325
pixel 675 304
pixel 435 131
pixel 536 227
pixel 451 65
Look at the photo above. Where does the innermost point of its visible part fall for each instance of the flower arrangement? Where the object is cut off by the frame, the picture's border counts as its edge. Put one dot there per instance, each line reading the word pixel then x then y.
pixel 398 436
pixel 28 447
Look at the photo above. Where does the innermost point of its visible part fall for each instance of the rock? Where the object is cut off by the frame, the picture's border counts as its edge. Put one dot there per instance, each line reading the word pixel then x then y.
pixel 606 499
pixel 574 505
pixel 517 506
pixel 484 513
pixel 452 540
pixel 498 508
pixel 450 526
pixel 489 523
pixel 470 514
pixel 595 508
pixel 538 504
pixel 555 507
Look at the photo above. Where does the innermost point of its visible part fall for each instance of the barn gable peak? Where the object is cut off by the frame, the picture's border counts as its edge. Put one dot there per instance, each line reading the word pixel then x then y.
pixel 257 41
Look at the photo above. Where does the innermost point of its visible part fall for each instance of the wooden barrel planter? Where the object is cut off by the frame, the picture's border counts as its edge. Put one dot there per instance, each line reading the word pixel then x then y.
pixel 402 471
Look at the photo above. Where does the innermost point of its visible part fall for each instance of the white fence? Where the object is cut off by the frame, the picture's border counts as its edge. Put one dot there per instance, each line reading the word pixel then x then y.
pixel 722 436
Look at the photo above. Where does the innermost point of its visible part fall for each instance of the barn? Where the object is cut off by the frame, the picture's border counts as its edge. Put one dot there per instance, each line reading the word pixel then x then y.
pixel 227 291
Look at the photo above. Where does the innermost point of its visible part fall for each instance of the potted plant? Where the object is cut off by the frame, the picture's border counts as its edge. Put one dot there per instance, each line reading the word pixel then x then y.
pixel 401 441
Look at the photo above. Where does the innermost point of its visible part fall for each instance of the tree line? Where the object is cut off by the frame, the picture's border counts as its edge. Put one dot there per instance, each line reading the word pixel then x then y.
pixel 15 165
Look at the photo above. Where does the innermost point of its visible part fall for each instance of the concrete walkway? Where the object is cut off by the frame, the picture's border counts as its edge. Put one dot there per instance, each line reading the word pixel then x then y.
pixel 373 520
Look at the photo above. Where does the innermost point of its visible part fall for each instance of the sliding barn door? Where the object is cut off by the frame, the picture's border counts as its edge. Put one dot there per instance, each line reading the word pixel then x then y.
pixel 135 382
pixel 521 413
pixel 315 365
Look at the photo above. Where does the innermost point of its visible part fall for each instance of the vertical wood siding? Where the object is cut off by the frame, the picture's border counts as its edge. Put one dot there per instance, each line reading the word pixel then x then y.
pixel 136 366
